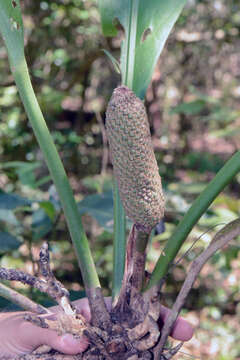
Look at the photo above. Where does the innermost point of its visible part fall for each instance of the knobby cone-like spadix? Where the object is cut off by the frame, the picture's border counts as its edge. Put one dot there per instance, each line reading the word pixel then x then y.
pixel 134 163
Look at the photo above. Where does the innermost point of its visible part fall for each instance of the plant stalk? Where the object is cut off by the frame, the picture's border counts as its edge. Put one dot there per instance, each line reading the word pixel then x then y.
pixel 119 245
pixel 23 301
pixel 79 239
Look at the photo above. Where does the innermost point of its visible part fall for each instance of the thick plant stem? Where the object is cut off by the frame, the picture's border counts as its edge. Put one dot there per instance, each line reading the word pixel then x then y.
pixel 58 174
pixel 200 205
pixel 134 271
pixel 100 316
pixel 139 257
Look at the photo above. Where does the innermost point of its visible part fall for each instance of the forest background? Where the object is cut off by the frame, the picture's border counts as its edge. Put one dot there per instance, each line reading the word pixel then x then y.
pixel 194 113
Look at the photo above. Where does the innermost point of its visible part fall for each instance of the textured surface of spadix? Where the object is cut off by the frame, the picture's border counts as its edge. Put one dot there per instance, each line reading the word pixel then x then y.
pixel 134 162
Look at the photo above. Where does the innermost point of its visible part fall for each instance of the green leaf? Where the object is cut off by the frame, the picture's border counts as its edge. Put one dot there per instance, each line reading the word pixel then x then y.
pixel 224 115
pixel 25 171
pixel 98 183
pixel 43 180
pixel 11 28
pixel 41 224
pixel 229 131
pixel 8 216
pixel 100 207
pixel 8 242
pixel 189 108
pixel 115 63
pixel 6 305
pixel 12 201
pixel 76 295
pixel 147 25
pixel 49 209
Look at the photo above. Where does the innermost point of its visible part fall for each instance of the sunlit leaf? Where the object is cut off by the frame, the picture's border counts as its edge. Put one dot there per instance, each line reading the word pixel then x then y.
pixel 49 209
pixel 146 25
pixel 114 62
pixel 189 108
pixel 228 131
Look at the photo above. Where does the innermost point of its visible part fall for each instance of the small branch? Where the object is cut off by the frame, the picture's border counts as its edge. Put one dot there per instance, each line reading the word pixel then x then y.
pixel 221 239
pixel 21 300
pixel 169 355
pixel 21 276
pixel 55 289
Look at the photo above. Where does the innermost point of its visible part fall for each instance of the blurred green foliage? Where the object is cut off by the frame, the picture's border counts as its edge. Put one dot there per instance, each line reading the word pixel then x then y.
pixel 194 113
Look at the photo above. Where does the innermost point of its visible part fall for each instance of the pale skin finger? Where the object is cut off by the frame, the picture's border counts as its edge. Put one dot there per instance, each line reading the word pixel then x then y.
pixel 182 330
pixel 20 337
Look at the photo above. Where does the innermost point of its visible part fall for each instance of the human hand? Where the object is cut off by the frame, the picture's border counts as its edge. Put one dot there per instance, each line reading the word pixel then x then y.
pixel 19 337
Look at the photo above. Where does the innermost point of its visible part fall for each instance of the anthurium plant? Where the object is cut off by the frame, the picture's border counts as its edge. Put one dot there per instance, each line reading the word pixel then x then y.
pixel 130 330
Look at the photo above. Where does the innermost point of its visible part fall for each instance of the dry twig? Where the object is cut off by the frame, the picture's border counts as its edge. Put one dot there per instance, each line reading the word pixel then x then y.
pixel 49 284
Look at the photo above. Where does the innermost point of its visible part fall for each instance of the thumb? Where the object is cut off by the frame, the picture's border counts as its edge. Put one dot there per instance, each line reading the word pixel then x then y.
pixel 19 337
pixel 33 336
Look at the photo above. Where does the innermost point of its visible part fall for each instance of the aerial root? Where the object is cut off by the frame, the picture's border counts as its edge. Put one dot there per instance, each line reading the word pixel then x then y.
pixel 145 335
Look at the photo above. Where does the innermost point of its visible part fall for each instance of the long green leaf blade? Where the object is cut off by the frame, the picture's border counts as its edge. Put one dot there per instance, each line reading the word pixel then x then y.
pixel 199 206
pixel 11 29
pixel 153 19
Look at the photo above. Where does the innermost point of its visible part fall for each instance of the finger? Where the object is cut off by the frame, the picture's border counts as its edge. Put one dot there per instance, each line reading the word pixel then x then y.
pixel 67 344
pixel 83 306
pixel 182 330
